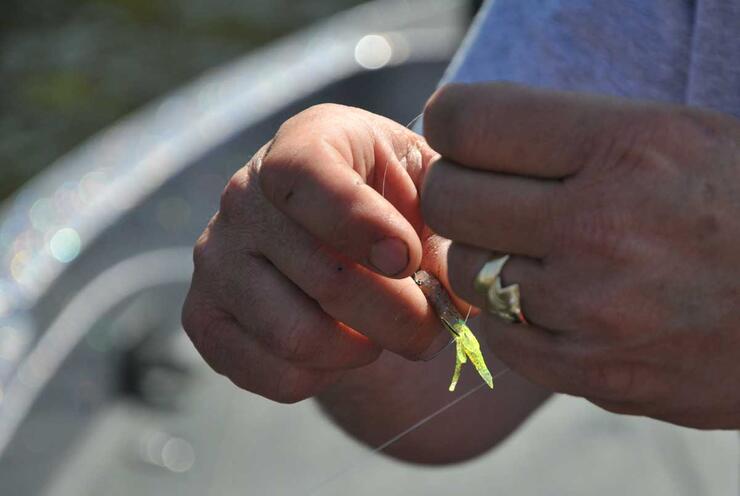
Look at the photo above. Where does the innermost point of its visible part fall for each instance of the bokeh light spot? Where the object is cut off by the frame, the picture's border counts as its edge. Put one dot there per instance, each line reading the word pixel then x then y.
pixel 373 51
pixel 65 245
pixel 178 455
pixel 168 452
pixel 42 214
pixel 18 264
pixel 91 186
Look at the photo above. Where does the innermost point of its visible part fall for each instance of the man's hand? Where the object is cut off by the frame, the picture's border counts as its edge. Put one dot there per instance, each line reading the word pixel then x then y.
pixel 302 274
pixel 623 219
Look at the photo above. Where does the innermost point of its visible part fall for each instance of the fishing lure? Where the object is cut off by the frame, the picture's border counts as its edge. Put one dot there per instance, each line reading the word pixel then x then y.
pixel 466 344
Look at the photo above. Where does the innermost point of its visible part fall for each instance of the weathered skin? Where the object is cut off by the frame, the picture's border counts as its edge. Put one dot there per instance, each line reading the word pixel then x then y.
pixel 467 346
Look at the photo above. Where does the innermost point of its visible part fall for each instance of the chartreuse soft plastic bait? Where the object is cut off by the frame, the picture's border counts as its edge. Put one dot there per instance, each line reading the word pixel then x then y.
pixel 467 346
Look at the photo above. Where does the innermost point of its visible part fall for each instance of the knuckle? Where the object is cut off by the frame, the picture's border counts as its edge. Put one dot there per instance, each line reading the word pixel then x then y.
pixel 199 326
pixel 293 385
pixel 299 140
pixel 321 110
pixel 294 342
pixel 233 196
pixel 668 124
pixel 195 319
pixel 214 353
pixel 281 172
pixel 620 148
pixel 597 319
pixel 201 250
pixel 317 122
pixel 681 124
pixel 190 321
pixel 613 380
pixel 217 251
pixel 617 314
pixel 647 143
pixel 601 231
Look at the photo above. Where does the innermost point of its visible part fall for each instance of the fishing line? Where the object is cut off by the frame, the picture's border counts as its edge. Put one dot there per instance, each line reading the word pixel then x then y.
pixel 361 462
pixel 385 445
pixel 354 466
pixel 414 120
pixel 385 169
pixel 422 421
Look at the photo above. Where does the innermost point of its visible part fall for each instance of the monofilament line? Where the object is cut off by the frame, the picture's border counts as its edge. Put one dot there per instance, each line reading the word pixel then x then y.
pixel 354 466
pixel 385 170
pixel 413 121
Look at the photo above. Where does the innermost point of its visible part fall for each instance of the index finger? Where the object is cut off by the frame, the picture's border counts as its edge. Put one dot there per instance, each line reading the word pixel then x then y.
pixel 519 130
pixel 342 176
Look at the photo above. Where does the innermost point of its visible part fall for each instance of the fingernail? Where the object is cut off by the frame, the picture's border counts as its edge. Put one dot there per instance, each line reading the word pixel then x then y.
pixel 390 256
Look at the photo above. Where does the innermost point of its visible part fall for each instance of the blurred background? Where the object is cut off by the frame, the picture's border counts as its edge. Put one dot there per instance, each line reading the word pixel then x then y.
pixel 120 122
pixel 71 67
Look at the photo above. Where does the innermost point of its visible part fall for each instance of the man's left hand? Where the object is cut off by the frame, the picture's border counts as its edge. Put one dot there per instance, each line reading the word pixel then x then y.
pixel 623 222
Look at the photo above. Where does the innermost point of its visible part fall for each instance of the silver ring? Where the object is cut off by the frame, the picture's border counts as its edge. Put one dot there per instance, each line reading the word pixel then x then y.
pixel 504 302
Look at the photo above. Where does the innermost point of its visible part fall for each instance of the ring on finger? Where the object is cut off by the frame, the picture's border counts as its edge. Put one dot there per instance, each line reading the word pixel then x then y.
pixel 502 301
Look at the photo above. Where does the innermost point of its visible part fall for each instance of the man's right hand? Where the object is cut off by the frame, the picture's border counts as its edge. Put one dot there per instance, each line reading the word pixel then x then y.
pixel 303 272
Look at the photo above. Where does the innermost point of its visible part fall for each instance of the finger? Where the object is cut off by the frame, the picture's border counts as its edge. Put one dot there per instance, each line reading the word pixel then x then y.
pixel 322 184
pixel 233 353
pixel 393 313
pixel 520 130
pixel 532 352
pixel 541 302
pixel 495 211
pixel 288 323
pixel 570 366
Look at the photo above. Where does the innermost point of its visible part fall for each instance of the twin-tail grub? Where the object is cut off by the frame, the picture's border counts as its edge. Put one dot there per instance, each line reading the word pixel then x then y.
pixel 466 344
